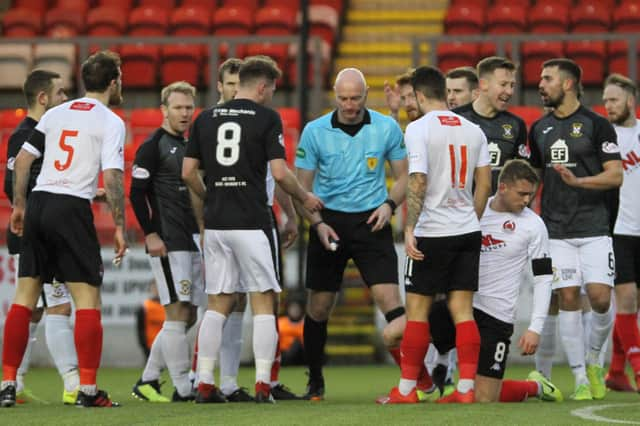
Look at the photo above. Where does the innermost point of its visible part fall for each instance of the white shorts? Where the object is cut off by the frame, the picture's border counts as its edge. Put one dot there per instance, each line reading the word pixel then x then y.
pixel 580 261
pixel 52 294
pixel 240 261
pixel 178 277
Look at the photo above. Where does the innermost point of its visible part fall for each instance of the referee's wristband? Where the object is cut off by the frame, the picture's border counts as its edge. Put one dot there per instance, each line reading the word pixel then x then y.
pixel 315 225
pixel 392 204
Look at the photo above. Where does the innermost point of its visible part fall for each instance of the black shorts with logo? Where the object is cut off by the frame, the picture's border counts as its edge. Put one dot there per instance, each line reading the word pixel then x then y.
pixel 626 249
pixel 59 239
pixel 450 263
pixel 495 338
pixel 373 252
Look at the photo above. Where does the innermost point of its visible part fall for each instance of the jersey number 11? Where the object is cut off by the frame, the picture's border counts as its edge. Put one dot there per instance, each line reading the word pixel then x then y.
pixel 461 181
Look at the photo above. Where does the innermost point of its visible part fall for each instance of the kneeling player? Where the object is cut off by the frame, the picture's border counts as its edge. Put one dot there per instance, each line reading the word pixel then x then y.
pixel 512 235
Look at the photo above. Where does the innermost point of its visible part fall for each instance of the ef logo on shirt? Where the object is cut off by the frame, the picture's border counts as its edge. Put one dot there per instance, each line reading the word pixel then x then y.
pixel 559 151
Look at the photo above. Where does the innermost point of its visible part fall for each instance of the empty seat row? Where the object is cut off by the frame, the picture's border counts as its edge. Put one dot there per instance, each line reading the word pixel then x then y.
pixel 527 3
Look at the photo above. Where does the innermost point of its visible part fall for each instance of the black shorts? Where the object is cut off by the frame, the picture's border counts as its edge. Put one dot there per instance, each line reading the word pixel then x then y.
pixel 495 338
pixel 626 249
pixel 59 239
pixel 373 253
pixel 450 263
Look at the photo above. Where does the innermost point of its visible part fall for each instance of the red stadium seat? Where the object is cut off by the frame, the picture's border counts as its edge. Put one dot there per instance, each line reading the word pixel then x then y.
pixel 106 21
pixel 160 4
pixel 148 21
pixel 40 6
pixel 81 6
pixel 207 4
pixel 513 3
pixel 21 23
pixel 591 56
pixel 9 120
pixel 337 5
pixel 190 21
pixel 534 55
pixel 618 58
pixel 527 113
pixel 15 64
pixel 124 5
pixel 142 122
pixel 324 21
pixel 548 18
pixel 590 17
pixel 139 65
pixel 250 5
pixel 484 4
pixel 284 3
pixel 456 54
pixel 275 21
pixel 505 19
pixel 464 20
pixel 292 69
pixel 180 62
pixel 62 23
pixel 232 21
pixel 626 17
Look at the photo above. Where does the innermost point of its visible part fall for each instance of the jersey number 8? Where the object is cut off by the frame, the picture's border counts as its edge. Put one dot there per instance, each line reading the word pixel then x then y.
pixel 228 149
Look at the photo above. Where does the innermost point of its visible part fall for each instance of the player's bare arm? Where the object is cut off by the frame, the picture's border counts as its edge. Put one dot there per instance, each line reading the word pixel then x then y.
pixel 289 232
pixel 22 166
pixel 482 181
pixel 324 231
pixel 416 191
pixel 114 187
pixel 392 98
pixel 610 177
pixel 382 215
pixel 287 180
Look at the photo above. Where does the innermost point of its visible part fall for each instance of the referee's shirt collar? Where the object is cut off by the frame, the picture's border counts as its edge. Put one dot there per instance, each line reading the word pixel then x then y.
pixel 350 129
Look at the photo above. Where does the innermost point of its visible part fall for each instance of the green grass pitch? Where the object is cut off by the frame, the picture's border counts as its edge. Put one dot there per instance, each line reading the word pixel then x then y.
pixel 351 392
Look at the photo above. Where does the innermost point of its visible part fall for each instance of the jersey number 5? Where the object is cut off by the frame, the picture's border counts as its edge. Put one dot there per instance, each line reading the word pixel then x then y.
pixel 66 148
pixel 228 149
pixel 461 180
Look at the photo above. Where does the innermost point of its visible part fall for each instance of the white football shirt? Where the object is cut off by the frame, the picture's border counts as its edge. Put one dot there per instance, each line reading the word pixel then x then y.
pixel 628 220
pixel 447 148
pixel 81 138
pixel 509 242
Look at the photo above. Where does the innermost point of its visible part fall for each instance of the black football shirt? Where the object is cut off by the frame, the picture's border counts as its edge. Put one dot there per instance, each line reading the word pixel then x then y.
pixel 582 142
pixel 234 142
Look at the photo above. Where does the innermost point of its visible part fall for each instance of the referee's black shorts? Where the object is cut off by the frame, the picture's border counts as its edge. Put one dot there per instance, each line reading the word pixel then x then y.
pixel 373 252
pixel 59 240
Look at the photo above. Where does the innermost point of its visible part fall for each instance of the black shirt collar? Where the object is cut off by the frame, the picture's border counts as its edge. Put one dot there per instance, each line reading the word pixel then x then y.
pixel 350 129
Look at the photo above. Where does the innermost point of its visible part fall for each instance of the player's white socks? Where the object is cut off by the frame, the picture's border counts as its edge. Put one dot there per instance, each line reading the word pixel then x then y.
pixel 230 352
pixel 175 350
pixel 547 348
pixel 572 335
pixel 586 326
pixel 60 341
pixel 406 386
pixel 265 339
pixel 431 359
pixel 209 340
pixel 155 362
pixel 601 325
pixel 452 362
pixel 26 358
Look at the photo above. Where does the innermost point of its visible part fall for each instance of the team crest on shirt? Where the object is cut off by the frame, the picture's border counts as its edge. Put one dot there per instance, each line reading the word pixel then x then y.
pixel 576 130
pixel 185 287
pixel 490 243
pixel 372 163
pixel 509 225
pixel 507 131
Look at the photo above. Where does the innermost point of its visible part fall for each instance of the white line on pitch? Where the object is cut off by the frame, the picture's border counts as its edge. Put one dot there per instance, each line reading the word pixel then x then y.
pixel 588 413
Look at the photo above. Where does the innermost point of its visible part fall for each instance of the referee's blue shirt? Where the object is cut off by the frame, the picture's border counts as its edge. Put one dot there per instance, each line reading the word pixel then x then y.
pixel 350 174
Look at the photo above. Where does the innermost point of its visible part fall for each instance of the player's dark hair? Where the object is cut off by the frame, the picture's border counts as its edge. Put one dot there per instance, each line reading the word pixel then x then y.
pixel 468 73
pixel 516 169
pixel 257 67
pixel 405 79
pixel 430 82
pixel 230 66
pixel 568 67
pixel 37 81
pixel 625 83
pixel 492 63
pixel 99 70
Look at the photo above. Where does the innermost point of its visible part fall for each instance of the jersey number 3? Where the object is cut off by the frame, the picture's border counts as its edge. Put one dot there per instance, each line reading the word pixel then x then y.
pixel 228 149
pixel 66 148
pixel 459 181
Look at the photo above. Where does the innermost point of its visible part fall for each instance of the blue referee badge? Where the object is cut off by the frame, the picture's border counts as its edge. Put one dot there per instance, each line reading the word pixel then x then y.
pixel 372 163
pixel 300 153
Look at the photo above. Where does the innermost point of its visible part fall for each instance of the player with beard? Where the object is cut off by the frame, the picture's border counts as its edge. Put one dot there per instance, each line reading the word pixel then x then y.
pixel 619 99
pixel 462 86
pixel 505 132
pixel 76 140
pixel 579 161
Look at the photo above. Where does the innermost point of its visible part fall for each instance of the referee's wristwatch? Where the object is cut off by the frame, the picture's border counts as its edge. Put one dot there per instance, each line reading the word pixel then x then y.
pixel 392 204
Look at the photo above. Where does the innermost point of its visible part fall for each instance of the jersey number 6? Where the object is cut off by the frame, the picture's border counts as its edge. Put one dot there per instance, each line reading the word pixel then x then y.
pixel 228 149
pixel 66 148
pixel 462 180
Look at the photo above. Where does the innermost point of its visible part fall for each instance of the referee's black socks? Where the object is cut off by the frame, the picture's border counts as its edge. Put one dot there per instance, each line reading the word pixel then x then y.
pixel 315 339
